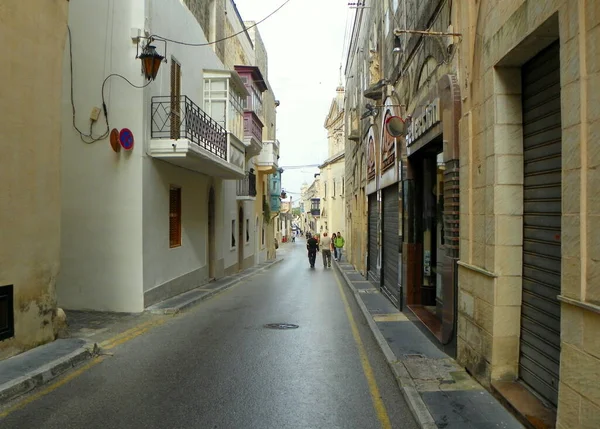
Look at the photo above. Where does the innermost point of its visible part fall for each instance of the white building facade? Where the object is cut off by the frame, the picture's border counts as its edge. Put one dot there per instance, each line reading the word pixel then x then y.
pixel 143 223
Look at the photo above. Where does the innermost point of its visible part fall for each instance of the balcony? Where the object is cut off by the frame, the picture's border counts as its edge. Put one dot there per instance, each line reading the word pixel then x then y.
pixel 246 188
pixel 268 159
pixel 184 135
pixel 315 207
pixel 253 128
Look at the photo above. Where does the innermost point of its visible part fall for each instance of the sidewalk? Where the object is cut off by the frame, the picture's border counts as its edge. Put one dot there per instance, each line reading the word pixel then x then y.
pixel 440 393
pixel 92 331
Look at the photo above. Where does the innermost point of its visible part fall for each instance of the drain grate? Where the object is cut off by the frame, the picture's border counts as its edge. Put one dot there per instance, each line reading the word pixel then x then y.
pixel 281 326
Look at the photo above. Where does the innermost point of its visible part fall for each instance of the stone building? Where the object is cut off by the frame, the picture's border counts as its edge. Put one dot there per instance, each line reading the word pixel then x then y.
pixel 30 192
pixel 529 285
pixel 496 202
pixel 333 211
pixel 402 192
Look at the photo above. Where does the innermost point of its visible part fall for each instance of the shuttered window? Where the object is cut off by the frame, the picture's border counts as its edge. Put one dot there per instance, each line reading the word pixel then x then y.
pixel 175 217
pixel 175 99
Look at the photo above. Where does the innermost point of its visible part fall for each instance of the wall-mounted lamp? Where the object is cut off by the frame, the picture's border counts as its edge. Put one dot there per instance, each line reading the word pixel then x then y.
pixel 371 111
pixel 397 45
pixel 151 59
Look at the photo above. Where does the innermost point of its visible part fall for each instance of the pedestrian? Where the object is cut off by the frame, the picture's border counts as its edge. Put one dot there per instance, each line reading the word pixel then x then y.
pixel 325 244
pixel 312 245
pixel 339 245
pixel 333 236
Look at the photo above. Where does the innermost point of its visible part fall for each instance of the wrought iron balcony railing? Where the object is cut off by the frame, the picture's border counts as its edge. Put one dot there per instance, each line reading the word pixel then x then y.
pixel 247 186
pixel 315 212
pixel 179 117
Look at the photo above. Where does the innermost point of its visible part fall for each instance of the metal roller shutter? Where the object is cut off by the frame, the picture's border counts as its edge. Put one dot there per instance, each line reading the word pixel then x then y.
pixel 540 314
pixel 373 248
pixel 390 243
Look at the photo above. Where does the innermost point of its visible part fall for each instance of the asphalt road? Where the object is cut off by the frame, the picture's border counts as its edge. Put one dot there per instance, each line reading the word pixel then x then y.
pixel 217 366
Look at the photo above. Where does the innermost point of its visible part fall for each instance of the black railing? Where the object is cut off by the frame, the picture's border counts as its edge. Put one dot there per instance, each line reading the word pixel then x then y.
pixel 315 212
pixel 247 186
pixel 179 117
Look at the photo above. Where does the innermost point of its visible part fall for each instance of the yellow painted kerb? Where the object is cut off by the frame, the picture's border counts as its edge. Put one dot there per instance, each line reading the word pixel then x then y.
pixel 378 404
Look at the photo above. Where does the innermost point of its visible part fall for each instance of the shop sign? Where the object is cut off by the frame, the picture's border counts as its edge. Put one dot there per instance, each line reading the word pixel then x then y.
pixel 422 123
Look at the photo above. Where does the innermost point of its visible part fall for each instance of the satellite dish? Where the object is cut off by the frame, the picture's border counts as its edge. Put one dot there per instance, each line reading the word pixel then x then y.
pixel 395 126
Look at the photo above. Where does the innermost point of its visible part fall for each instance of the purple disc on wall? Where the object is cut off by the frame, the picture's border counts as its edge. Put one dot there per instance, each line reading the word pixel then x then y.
pixel 126 139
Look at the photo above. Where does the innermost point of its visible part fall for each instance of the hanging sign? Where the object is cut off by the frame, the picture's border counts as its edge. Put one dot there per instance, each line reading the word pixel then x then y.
pixel 126 139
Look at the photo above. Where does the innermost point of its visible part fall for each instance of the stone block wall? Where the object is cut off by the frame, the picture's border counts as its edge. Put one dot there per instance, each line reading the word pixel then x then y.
pixel 30 133
pixel 498 38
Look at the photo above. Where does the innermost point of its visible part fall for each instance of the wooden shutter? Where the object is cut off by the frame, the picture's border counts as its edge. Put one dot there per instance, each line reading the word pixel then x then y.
pixel 175 217
pixel 175 99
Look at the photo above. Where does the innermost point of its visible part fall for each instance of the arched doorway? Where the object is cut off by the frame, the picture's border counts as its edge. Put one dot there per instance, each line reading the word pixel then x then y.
pixel 241 239
pixel 211 233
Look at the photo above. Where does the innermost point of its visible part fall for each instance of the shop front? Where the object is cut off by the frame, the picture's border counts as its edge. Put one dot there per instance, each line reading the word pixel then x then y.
pixel 374 254
pixel 431 209
pixel 391 202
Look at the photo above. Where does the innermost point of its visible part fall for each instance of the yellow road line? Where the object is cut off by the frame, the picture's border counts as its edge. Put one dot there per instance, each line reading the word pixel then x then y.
pixel 108 344
pixel 131 334
pixel 127 333
pixel 51 387
pixel 378 404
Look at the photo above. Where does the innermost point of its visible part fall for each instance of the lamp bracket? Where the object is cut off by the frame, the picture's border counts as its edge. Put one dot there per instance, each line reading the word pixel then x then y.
pixel 150 40
pixel 397 32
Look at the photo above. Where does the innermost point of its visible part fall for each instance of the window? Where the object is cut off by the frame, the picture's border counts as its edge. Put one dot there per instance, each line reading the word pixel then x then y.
pixel 7 320
pixel 263 235
pixel 343 186
pixel 247 230
pixel 175 217
pixel 333 188
pixel 233 233
pixel 175 99
pixel 223 102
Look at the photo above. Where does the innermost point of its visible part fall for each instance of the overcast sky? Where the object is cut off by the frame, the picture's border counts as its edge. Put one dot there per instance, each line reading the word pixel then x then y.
pixel 304 43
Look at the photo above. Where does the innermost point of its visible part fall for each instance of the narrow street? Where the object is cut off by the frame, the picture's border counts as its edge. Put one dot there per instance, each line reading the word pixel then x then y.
pixel 217 366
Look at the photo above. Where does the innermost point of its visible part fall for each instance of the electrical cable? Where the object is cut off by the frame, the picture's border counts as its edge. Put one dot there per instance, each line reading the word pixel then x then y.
pixel 158 37
pixel 83 136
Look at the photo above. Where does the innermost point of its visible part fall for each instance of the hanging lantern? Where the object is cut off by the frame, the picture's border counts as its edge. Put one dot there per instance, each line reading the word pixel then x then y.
pixel 150 61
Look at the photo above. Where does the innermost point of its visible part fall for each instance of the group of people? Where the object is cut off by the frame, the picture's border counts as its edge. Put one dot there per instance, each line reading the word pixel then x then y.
pixel 326 244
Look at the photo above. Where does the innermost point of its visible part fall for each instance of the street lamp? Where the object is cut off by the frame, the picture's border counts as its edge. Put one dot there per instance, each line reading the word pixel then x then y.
pixel 150 61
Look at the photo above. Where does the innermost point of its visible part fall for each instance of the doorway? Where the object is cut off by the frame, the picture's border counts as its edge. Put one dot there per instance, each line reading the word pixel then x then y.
pixel 432 229
pixel 241 240
pixel 211 234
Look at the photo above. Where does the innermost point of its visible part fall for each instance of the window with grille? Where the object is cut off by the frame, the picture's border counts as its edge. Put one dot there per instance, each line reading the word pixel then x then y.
pixel 7 322
pixel 175 217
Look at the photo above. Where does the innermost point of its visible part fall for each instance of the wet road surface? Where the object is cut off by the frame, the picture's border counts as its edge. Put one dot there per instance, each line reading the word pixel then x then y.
pixel 217 366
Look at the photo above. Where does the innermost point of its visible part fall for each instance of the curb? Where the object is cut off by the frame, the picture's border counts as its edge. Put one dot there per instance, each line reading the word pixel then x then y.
pixel 405 382
pixel 197 299
pixel 43 374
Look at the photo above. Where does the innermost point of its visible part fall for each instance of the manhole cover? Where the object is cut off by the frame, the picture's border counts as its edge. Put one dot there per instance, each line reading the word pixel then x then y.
pixel 281 326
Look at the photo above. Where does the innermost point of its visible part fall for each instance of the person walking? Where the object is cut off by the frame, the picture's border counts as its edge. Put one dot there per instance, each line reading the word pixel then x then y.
pixel 325 244
pixel 312 245
pixel 339 245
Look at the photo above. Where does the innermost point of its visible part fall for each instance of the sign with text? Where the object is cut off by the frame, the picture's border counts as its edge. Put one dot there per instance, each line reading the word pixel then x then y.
pixel 423 122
